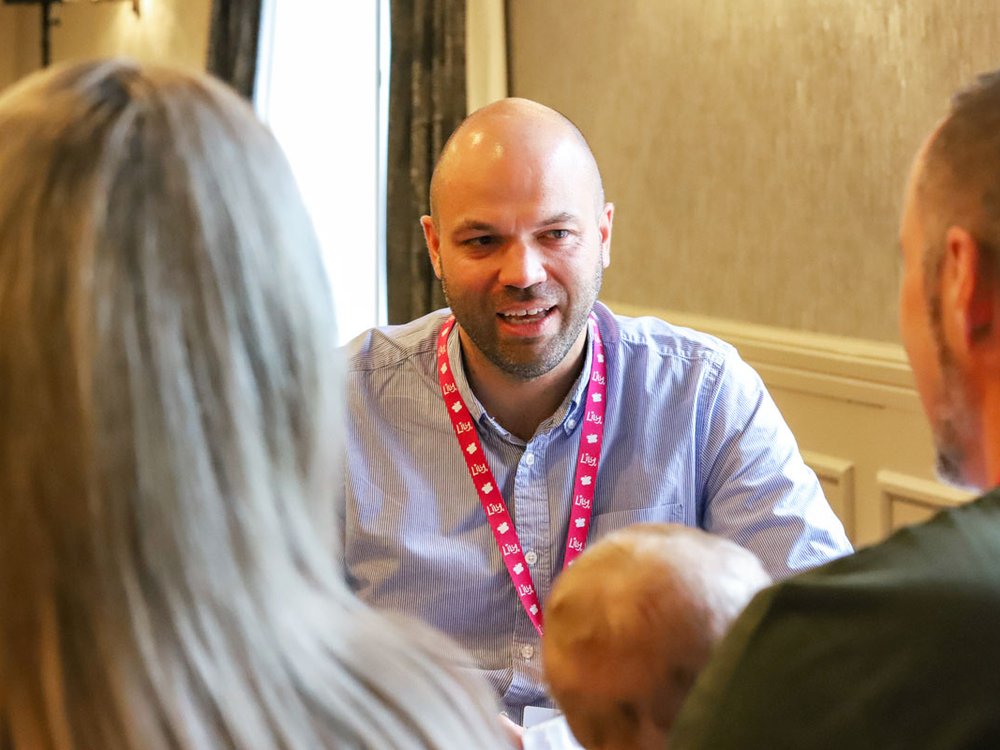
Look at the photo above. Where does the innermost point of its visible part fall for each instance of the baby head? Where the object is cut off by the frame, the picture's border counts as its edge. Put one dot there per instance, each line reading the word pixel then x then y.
pixel 631 623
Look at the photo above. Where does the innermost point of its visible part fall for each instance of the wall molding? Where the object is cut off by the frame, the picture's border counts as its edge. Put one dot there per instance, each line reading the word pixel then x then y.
pixel 857 370
pixel 836 475
pixel 906 499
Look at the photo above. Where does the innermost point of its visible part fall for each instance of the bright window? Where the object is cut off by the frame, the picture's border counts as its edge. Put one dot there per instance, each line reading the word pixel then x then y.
pixel 318 88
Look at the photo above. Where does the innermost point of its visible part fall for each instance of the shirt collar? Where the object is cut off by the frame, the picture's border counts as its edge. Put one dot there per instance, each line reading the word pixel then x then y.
pixel 569 414
pixel 458 370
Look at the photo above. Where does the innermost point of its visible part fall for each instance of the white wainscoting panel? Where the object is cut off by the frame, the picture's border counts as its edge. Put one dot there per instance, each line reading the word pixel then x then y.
pixel 836 475
pixel 907 500
pixel 855 413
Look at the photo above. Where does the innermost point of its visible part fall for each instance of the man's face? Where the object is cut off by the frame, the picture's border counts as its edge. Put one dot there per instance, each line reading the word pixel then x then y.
pixel 941 391
pixel 520 244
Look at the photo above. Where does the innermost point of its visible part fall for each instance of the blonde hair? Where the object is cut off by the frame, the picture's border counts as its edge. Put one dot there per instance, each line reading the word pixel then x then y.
pixel 169 427
pixel 630 581
pixel 659 595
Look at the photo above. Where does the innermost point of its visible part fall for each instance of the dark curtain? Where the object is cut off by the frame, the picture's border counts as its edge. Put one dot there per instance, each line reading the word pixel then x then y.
pixel 232 43
pixel 426 103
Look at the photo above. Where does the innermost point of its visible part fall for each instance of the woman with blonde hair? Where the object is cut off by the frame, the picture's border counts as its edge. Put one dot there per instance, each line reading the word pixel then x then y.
pixel 169 425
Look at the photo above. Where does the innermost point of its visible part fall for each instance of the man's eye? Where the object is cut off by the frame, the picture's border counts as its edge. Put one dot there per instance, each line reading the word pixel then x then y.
pixel 558 234
pixel 481 241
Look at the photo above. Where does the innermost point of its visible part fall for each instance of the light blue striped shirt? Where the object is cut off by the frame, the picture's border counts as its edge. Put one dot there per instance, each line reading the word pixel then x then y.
pixel 691 437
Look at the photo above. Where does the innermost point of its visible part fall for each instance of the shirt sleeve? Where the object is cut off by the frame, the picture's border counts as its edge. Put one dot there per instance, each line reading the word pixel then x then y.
pixel 757 489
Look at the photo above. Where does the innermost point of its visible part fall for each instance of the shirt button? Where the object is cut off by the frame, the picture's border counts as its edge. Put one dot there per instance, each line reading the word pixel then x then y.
pixel 529 458
pixel 571 423
pixel 530 557
pixel 527 651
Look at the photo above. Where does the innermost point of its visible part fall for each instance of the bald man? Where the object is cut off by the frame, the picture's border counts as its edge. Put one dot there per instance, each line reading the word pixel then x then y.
pixel 490 442
pixel 632 623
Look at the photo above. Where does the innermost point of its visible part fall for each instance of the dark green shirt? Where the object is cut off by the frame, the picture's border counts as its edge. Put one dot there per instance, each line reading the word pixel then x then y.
pixel 896 646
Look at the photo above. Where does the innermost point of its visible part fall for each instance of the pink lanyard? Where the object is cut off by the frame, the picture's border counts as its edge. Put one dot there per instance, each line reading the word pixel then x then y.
pixel 500 521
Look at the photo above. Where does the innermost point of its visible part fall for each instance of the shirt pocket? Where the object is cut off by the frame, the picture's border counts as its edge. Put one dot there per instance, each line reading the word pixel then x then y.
pixel 605 523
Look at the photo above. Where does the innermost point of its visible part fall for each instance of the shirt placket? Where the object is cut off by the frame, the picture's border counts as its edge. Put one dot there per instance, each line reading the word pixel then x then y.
pixel 530 508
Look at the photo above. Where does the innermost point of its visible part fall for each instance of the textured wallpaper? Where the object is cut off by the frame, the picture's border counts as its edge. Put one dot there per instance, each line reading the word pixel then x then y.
pixel 756 150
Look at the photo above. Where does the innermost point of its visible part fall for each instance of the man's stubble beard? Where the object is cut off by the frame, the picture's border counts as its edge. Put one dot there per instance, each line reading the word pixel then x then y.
pixel 952 422
pixel 504 357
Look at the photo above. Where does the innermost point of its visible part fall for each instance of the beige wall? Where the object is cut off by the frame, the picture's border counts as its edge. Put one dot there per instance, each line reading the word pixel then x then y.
pixel 485 53
pixel 755 149
pixel 8 40
pixel 171 31
pixel 19 29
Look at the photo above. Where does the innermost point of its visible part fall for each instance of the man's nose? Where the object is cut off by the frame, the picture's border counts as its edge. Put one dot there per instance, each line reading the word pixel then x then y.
pixel 522 265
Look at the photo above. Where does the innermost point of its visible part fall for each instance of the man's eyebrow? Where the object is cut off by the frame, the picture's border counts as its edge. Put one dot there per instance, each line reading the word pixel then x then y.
pixel 470 225
pixel 559 218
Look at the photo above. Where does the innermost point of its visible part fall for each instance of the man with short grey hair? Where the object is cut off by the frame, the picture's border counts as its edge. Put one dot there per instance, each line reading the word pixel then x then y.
pixel 896 646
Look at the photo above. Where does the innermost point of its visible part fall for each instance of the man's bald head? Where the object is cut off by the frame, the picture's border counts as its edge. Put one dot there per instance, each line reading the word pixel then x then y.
pixel 519 238
pixel 513 130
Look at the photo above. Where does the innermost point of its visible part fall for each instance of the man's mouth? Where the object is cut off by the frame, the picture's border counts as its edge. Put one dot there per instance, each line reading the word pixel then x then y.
pixel 527 315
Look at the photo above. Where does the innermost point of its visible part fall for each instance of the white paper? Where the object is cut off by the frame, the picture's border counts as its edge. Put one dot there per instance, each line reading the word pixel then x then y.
pixel 552 734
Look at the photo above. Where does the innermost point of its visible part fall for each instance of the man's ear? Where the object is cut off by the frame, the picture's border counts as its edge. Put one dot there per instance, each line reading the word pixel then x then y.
pixel 433 243
pixel 969 290
pixel 604 227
